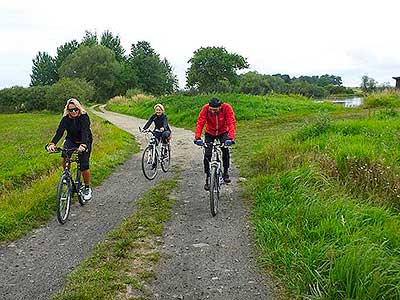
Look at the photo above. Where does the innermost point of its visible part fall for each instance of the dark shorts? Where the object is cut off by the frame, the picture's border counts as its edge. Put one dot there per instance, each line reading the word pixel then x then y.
pixel 83 157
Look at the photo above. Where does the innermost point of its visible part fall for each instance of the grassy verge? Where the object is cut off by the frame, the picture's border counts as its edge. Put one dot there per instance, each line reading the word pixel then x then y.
pixel 321 211
pixel 123 263
pixel 183 111
pixel 31 175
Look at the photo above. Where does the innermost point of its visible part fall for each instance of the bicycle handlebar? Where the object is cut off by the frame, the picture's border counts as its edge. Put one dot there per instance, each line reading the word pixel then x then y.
pixel 59 149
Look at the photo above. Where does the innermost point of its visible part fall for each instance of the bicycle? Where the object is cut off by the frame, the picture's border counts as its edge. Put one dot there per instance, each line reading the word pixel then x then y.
pixel 67 186
pixel 216 175
pixel 155 153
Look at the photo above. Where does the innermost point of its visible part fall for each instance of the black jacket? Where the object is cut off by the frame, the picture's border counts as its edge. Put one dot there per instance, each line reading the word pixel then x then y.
pixel 78 130
pixel 159 121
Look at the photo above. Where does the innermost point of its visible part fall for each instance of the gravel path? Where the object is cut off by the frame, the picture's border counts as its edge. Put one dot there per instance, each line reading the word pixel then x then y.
pixel 203 257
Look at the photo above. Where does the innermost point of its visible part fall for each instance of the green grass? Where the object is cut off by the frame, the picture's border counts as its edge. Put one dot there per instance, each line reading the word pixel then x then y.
pixel 326 229
pixel 183 111
pixel 387 98
pixel 125 260
pixel 29 182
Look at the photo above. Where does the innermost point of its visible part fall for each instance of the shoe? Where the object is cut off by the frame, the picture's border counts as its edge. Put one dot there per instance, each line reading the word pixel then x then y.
pixel 226 178
pixel 206 187
pixel 87 194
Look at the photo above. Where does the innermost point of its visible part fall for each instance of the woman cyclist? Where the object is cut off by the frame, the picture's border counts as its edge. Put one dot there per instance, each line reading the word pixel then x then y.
pixel 77 124
pixel 162 131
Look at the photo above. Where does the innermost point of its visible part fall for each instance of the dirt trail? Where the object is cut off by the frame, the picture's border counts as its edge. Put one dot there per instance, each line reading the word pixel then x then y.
pixel 203 257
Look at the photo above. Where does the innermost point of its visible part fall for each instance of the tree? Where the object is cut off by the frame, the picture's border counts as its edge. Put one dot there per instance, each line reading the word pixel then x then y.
pixel 97 65
pixel 90 39
pixel 211 67
pixel 113 43
pixel 368 84
pixel 64 51
pixel 171 81
pixel 154 76
pixel 326 80
pixel 44 70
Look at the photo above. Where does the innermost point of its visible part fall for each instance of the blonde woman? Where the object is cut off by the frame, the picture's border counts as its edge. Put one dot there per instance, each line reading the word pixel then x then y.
pixel 77 124
pixel 161 126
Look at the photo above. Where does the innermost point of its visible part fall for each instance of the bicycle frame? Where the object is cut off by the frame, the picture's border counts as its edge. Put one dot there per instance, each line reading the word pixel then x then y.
pixel 216 179
pixel 76 185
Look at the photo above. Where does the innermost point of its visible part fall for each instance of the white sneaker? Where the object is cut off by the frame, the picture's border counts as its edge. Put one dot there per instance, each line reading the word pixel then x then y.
pixel 87 194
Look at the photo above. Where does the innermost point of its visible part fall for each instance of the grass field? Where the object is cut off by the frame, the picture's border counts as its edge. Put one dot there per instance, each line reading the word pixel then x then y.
pixel 29 175
pixel 324 185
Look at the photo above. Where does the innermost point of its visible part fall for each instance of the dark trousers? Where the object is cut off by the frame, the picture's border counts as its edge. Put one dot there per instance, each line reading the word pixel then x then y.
pixel 208 152
pixel 83 157
pixel 163 136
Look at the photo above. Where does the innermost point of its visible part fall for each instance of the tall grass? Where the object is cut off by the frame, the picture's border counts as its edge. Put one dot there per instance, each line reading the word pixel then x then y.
pixel 30 178
pixel 326 203
pixel 321 243
pixel 387 98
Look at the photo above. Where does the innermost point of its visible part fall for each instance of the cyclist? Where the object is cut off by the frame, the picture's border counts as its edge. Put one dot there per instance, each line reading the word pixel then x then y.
pixel 220 123
pixel 162 130
pixel 77 124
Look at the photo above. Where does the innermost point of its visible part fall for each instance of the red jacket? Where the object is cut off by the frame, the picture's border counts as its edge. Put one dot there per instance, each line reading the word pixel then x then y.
pixel 216 124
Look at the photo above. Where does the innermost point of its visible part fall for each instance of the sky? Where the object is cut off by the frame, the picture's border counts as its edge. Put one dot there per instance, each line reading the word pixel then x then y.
pixel 347 38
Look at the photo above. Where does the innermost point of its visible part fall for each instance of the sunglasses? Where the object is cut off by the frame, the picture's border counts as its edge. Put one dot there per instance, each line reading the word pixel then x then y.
pixel 73 109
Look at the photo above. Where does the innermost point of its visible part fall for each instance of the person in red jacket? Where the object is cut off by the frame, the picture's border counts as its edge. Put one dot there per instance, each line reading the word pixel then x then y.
pixel 219 120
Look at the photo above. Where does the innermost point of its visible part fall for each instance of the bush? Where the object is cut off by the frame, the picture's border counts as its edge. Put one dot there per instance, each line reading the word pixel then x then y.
pixel 68 88
pixel 133 92
pixel 21 99
pixel 386 98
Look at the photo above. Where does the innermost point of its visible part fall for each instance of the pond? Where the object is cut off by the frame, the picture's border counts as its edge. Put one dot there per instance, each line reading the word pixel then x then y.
pixel 349 102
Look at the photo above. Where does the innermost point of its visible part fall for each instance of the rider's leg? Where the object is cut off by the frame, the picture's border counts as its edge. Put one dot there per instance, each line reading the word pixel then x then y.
pixel 225 158
pixel 165 135
pixel 207 158
pixel 86 177
pixel 84 167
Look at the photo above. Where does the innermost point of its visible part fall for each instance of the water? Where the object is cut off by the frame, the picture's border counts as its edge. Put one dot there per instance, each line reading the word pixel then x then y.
pixel 349 102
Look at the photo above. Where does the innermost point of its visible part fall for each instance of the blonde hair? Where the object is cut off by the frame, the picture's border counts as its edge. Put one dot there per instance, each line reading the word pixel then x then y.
pixel 160 106
pixel 76 103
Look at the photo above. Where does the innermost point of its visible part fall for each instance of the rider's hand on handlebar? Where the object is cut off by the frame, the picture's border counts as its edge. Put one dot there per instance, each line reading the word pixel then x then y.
pixel 198 142
pixel 82 148
pixel 51 147
pixel 229 142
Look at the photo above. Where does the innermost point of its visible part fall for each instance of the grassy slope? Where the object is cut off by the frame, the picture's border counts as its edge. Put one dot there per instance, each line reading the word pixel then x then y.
pixel 323 222
pixel 31 175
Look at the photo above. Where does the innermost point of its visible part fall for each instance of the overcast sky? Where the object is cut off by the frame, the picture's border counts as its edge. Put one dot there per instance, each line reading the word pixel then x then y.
pixel 308 37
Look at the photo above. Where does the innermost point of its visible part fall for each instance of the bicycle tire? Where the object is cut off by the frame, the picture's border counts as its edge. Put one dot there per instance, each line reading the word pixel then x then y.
pixel 214 191
pixel 149 163
pixel 63 199
pixel 166 160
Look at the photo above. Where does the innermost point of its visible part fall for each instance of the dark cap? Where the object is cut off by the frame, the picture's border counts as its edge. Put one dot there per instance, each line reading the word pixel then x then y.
pixel 214 102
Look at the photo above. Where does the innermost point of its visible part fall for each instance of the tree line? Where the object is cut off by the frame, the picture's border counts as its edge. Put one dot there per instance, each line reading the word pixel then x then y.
pixel 98 68
pixel 103 63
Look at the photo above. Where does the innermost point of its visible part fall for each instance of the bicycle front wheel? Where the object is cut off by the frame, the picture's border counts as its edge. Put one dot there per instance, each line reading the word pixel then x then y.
pixel 214 191
pixel 63 199
pixel 149 162
pixel 165 158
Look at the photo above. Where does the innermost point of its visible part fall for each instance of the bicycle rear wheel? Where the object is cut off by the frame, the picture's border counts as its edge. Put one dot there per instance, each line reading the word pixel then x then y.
pixel 63 199
pixel 214 191
pixel 149 163
pixel 165 158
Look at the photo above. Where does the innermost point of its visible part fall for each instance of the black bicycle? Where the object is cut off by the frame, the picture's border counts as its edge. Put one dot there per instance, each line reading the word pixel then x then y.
pixel 156 153
pixel 67 186
pixel 216 175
